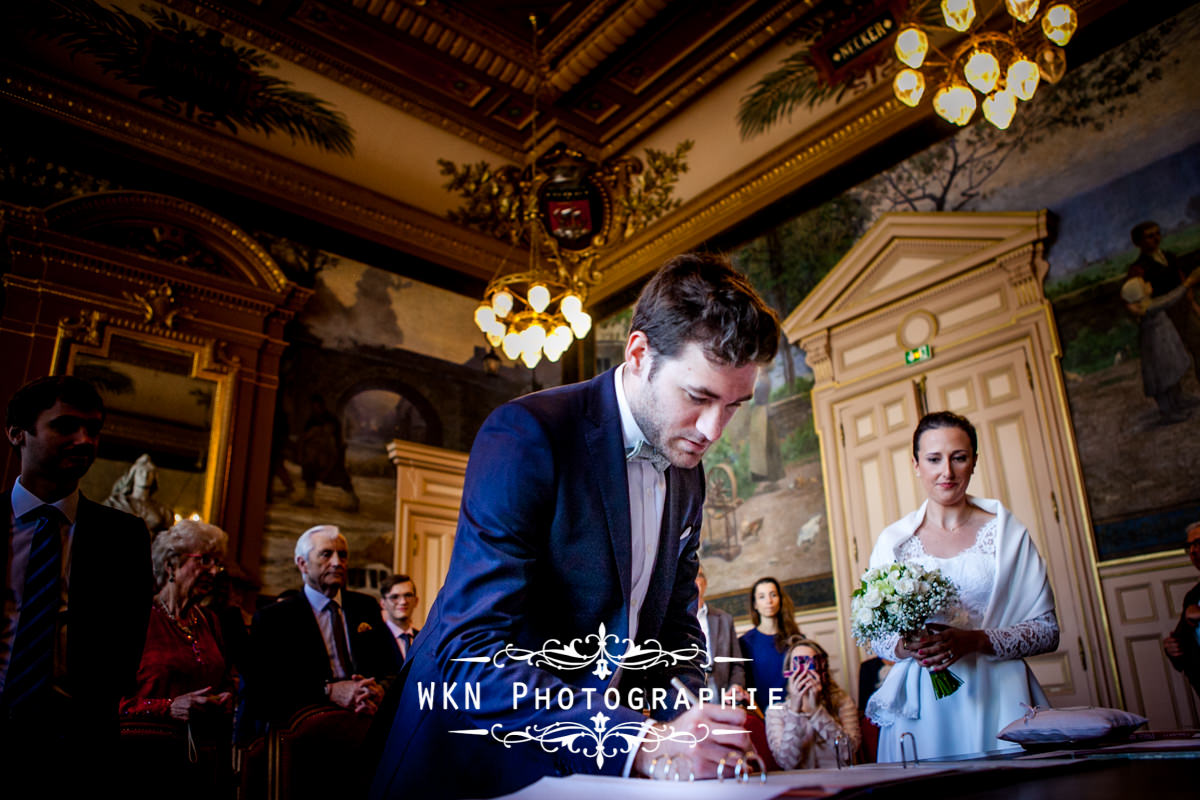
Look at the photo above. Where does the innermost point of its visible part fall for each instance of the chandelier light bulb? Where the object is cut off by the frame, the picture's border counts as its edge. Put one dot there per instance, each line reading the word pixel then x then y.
pixel 1059 24
pixel 493 338
pixel 539 297
pixel 1022 78
pixel 909 87
pixel 911 46
pixel 955 103
pixel 982 71
pixel 581 324
pixel 502 303
pixel 958 14
pixel 1022 10
pixel 1052 63
pixel 534 337
pixel 484 317
pixel 999 108
pixel 511 344
pixel 531 356
pixel 570 306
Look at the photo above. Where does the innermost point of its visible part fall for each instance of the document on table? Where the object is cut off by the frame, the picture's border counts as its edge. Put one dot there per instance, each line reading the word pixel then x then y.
pixel 801 783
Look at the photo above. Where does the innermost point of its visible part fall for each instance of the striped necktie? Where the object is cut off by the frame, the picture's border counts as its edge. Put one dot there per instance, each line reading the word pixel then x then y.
pixel 339 640
pixel 31 670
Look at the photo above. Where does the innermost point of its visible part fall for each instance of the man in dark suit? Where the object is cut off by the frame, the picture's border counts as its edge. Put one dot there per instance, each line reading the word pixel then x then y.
pixel 398 602
pixel 77 592
pixel 577 537
pixel 1183 645
pixel 726 679
pixel 323 645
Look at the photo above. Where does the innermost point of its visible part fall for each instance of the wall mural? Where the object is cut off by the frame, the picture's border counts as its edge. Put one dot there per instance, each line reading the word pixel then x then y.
pixel 371 358
pixel 1115 143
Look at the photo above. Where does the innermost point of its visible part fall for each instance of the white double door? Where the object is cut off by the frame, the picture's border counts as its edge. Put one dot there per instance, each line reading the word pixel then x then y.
pixel 994 390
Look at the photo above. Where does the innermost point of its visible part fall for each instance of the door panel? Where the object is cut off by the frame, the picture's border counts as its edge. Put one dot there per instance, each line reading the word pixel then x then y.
pixel 994 391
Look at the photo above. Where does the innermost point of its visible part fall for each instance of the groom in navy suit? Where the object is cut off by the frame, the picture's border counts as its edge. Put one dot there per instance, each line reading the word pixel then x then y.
pixel 581 518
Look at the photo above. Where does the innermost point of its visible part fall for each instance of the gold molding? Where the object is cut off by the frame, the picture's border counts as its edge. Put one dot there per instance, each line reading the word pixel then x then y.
pixel 206 365
pixel 289 185
pixel 507 66
pixel 847 132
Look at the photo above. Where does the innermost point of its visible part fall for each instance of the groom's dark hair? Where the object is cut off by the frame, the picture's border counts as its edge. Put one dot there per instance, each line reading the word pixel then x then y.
pixel 701 298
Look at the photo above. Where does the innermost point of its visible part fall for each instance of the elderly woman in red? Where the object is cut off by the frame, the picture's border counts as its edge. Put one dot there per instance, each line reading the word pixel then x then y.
pixel 184 687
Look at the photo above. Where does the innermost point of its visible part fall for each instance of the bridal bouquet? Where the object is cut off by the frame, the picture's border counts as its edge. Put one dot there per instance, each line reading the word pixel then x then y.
pixel 900 598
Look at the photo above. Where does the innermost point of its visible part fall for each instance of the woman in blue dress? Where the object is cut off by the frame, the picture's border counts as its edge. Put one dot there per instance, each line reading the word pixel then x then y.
pixel 774 621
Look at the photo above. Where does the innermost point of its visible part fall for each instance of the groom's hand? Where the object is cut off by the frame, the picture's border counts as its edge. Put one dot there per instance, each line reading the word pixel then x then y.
pixel 704 722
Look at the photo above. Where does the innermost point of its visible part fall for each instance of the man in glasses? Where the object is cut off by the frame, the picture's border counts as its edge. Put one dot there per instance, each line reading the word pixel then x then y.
pixel 399 602
pixel 77 588
pixel 1183 645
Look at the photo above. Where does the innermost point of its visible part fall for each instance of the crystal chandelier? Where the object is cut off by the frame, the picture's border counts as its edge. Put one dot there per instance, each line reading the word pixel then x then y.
pixel 567 209
pixel 1001 66
pixel 535 312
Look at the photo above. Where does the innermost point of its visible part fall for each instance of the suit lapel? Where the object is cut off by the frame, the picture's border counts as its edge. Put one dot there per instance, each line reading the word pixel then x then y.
pixel 309 631
pixel 606 447
pixel 662 578
pixel 6 509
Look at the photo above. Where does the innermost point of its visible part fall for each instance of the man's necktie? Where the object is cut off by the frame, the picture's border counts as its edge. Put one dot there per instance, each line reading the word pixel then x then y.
pixel 339 638
pixel 31 670
pixel 644 451
pixel 406 639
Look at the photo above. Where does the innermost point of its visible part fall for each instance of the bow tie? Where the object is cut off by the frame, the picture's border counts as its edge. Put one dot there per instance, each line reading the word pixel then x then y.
pixel 644 451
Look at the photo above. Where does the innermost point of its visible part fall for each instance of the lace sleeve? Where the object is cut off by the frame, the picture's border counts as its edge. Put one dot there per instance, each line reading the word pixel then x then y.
pixel 885 646
pixel 1028 638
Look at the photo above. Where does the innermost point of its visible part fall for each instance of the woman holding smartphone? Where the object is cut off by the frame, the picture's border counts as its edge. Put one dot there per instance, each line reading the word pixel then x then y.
pixel 804 732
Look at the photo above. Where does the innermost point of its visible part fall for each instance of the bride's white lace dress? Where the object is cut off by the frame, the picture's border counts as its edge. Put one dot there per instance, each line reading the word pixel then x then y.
pixel 994 686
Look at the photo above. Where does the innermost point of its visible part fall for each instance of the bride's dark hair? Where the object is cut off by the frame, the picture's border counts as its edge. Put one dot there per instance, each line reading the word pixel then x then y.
pixel 945 419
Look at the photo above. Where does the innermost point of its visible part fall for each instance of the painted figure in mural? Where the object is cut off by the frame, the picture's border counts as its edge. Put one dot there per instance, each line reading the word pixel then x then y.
pixel 1004 612
pixel 134 491
pixel 1165 360
pixel 766 459
pixel 281 449
pixel 1182 646
pixel 1165 271
pixel 580 519
pixel 322 455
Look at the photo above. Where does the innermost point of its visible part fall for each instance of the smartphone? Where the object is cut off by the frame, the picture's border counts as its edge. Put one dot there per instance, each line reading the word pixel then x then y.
pixel 799 663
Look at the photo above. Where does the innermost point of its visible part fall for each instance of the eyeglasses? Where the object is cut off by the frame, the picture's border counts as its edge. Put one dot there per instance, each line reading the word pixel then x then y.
pixel 396 598
pixel 206 559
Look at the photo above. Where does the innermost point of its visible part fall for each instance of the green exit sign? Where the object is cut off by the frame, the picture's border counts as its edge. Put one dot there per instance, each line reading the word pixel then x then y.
pixel 922 353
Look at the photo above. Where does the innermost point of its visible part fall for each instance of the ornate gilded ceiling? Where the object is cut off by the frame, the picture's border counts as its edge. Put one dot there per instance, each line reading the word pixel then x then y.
pixel 419 80
pixel 609 70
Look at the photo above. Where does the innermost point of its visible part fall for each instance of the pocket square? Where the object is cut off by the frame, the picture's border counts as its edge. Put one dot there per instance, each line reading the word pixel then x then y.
pixel 686 533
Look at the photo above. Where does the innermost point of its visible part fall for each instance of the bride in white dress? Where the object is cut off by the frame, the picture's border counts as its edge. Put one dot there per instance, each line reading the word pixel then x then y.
pixel 1005 610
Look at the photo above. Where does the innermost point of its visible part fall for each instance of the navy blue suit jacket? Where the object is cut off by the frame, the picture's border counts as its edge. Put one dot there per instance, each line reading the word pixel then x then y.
pixel 108 608
pixel 542 552
pixel 288 665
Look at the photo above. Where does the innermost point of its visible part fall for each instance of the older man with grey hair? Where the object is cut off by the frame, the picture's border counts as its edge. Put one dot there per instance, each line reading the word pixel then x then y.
pixel 325 645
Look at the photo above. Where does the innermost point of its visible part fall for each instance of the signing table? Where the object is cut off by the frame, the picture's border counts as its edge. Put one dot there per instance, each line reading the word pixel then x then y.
pixel 1164 766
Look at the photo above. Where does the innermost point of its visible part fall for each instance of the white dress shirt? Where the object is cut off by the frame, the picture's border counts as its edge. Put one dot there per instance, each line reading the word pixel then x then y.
pixel 647 496
pixel 318 602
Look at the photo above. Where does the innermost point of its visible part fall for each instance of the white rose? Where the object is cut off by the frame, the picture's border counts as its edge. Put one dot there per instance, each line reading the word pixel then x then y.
pixel 893 609
pixel 864 616
pixel 872 598
pixel 906 586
